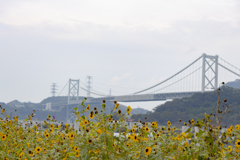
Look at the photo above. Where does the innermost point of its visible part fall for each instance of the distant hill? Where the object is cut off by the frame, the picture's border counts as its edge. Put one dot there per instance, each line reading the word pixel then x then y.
pixel 234 84
pixel 26 108
pixel 194 107
pixel 139 111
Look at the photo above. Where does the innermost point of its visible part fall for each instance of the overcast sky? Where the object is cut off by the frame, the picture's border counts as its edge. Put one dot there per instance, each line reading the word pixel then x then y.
pixel 125 45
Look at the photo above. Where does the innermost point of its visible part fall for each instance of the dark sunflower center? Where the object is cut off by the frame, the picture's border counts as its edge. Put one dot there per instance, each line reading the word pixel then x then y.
pixel 238 143
pixel 146 150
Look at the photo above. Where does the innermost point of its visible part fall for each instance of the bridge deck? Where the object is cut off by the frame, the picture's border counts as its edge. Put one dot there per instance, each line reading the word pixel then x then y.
pixel 137 98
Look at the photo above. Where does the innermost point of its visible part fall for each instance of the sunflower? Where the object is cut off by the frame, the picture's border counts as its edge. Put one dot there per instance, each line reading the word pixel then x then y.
pixel 91 116
pixel 192 121
pixel 96 112
pixel 77 153
pixel 158 135
pixel 38 150
pixel 133 130
pixel 119 112
pixel 168 129
pixel 129 137
pixel 46 135
pixel 71 135
pixel 88 107
pixel 129 109
pixel 238 143
pixel 116 106
pixel 148 150
pixel 229 130
pixel 4 137
pixel 135 138
pixel 30 153
pixel 10 122
pixel 169 123
pixel 230 149
pixel 153 124
pixel 51 131
pixel 236 149
pixel 237 127
pixel 145 139
pixel 90 141
pixel 185 143
pixel 75 148
pixel 99 131
pixel 86 121
pixel 146 129
pixel 52 125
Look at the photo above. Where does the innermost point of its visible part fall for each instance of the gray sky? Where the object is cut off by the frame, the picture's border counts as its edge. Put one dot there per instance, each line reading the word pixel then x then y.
pixel 124 45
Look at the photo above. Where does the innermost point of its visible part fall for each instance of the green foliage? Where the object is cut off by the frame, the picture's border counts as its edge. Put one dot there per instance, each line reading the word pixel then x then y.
pixel 194 107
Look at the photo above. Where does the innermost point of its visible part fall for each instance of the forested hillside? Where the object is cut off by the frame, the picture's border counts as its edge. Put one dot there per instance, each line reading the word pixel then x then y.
pixel 194 107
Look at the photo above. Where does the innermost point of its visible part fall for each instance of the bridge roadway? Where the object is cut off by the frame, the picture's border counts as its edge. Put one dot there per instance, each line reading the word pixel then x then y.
pixel 138 98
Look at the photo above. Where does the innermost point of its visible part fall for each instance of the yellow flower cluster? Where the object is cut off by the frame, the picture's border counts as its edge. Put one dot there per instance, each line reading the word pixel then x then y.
pixel 96 139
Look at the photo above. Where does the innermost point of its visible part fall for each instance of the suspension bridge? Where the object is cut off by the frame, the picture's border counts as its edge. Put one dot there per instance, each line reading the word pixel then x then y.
pixel 202 75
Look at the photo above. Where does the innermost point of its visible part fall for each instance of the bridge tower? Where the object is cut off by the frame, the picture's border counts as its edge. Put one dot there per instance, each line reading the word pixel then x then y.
pixel 209 65
pixel 73 94
pixel 89 85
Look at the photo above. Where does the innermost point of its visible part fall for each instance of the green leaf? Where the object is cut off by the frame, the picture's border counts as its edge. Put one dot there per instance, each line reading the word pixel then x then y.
pixel 188 130
pixel 189 157
pixel 200 133
pixel 109 145
pixel 189 135
pixel 116 138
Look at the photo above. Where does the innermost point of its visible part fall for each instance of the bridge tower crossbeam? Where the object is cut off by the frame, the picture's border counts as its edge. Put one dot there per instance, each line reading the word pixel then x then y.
pixel 209 64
